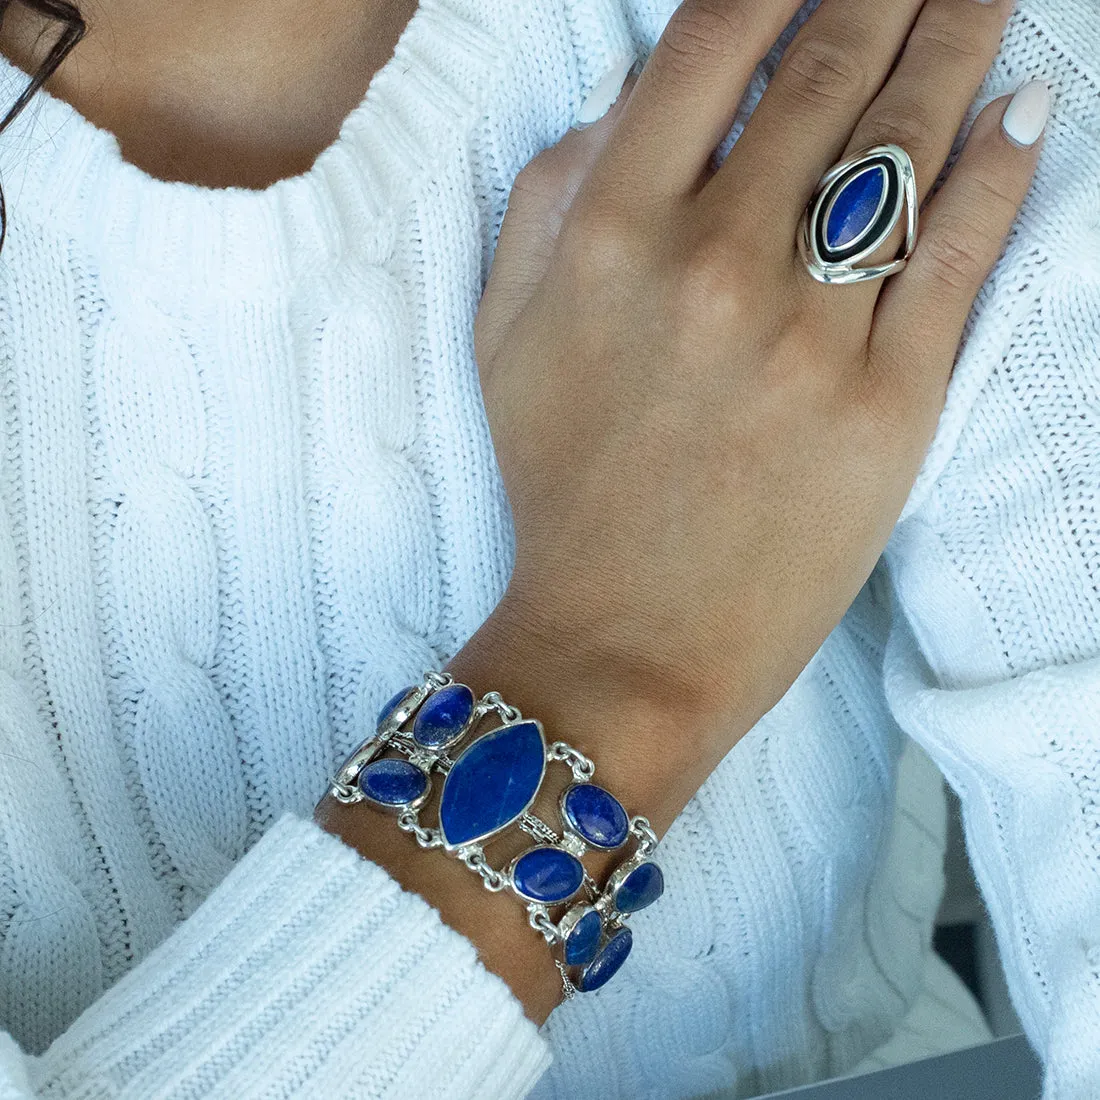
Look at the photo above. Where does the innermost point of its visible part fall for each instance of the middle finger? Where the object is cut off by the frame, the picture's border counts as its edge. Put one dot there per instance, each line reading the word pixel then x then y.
pixel 924 102
pixel 826 79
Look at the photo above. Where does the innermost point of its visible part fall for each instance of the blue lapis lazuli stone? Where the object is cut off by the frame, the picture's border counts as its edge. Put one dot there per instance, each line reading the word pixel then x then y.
pixel 642 887
pixel 443 716
pixel 547 875
pixel 491 783
pixel 855 207
pixel 583 941
pixel 606 964
pixel 595 816
pixel 392 705
pixel 392 782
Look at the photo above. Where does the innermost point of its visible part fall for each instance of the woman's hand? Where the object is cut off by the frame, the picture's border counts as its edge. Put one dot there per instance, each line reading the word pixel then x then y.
pixel 705 450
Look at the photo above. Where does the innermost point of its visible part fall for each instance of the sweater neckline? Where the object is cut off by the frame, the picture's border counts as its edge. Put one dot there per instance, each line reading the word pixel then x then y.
pixel 60 168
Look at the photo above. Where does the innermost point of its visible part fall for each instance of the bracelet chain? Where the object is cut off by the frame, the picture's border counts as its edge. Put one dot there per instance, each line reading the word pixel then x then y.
pixel 426 838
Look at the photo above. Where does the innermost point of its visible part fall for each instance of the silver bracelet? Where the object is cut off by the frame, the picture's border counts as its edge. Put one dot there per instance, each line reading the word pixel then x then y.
pixel 489 786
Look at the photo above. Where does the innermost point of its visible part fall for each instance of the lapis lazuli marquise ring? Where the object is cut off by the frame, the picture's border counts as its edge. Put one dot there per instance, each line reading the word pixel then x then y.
pixel 854 210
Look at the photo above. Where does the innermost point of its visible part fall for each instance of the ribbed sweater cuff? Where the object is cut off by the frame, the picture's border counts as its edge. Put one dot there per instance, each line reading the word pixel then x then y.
pixel 307 973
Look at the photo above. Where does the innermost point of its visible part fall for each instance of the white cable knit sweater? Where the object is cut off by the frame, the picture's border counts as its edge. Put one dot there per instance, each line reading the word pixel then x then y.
pixel 247 490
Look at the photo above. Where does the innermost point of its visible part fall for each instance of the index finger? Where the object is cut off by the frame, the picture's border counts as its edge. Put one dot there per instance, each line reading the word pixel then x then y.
pixel 687 95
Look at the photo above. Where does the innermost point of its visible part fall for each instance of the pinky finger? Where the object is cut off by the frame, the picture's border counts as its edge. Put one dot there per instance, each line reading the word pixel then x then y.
pixel 963 230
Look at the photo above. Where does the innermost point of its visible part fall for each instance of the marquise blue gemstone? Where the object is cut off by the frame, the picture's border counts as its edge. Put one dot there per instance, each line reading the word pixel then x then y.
pixel 391 706
pixel 392 782
pixel 606 964
pixel 596 816
pixel 855 207
pixel 583 940
pixel 642 887
pixel 547 875
pixel 442 716
pixel 491 783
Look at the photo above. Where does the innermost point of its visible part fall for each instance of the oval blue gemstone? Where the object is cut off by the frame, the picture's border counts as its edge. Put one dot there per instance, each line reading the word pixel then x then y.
pixel 596 816
pixel 642 887
pixel 855 207
pixel 491 783
pixel 442 716
pixel 547 875
pixel 606 964
pixel 392 782
pixel 583 940
pixel 392 705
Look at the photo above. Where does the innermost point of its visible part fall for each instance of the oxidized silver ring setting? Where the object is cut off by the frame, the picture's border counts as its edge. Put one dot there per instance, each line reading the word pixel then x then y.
pixel 854 209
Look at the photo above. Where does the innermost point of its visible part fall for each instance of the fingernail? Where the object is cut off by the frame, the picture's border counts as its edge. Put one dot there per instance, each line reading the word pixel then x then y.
pixel 603 96
pixel 1025 118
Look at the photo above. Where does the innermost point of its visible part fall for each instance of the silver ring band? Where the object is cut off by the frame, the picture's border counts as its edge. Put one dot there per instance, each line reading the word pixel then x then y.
pixel 853 211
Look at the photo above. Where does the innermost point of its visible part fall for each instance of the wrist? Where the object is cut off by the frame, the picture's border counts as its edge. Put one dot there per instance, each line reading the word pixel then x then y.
pixel 650 754
pixel 654 744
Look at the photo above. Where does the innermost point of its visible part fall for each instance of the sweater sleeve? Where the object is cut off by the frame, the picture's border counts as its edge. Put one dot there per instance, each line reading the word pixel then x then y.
pixel 1023 754
pixel 993 663
pixel 308 972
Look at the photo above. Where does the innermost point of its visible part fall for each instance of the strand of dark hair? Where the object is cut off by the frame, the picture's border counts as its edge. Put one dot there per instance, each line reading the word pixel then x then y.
pixel 72 31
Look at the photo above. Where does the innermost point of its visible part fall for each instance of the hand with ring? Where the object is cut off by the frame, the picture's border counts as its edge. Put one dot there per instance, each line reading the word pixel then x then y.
pixel 705 440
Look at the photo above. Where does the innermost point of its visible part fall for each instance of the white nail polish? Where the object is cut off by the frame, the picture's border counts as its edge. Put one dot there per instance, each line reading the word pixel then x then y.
pixel 603 96
pixel 1026 115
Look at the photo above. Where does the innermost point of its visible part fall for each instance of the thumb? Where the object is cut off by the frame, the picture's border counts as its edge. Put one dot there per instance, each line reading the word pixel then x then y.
pixel 541 196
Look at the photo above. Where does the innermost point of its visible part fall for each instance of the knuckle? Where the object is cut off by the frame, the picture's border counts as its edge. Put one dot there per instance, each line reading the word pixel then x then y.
pixel 698 33
pixel 992 202
pixel 823 68
pixel 953 255
pixel 544 175
pixel 596 241
pixel 711 290
pixel 945 40
pixel 906 126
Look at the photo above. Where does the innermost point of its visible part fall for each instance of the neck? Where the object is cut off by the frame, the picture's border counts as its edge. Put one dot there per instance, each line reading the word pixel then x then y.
pixel 217 92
